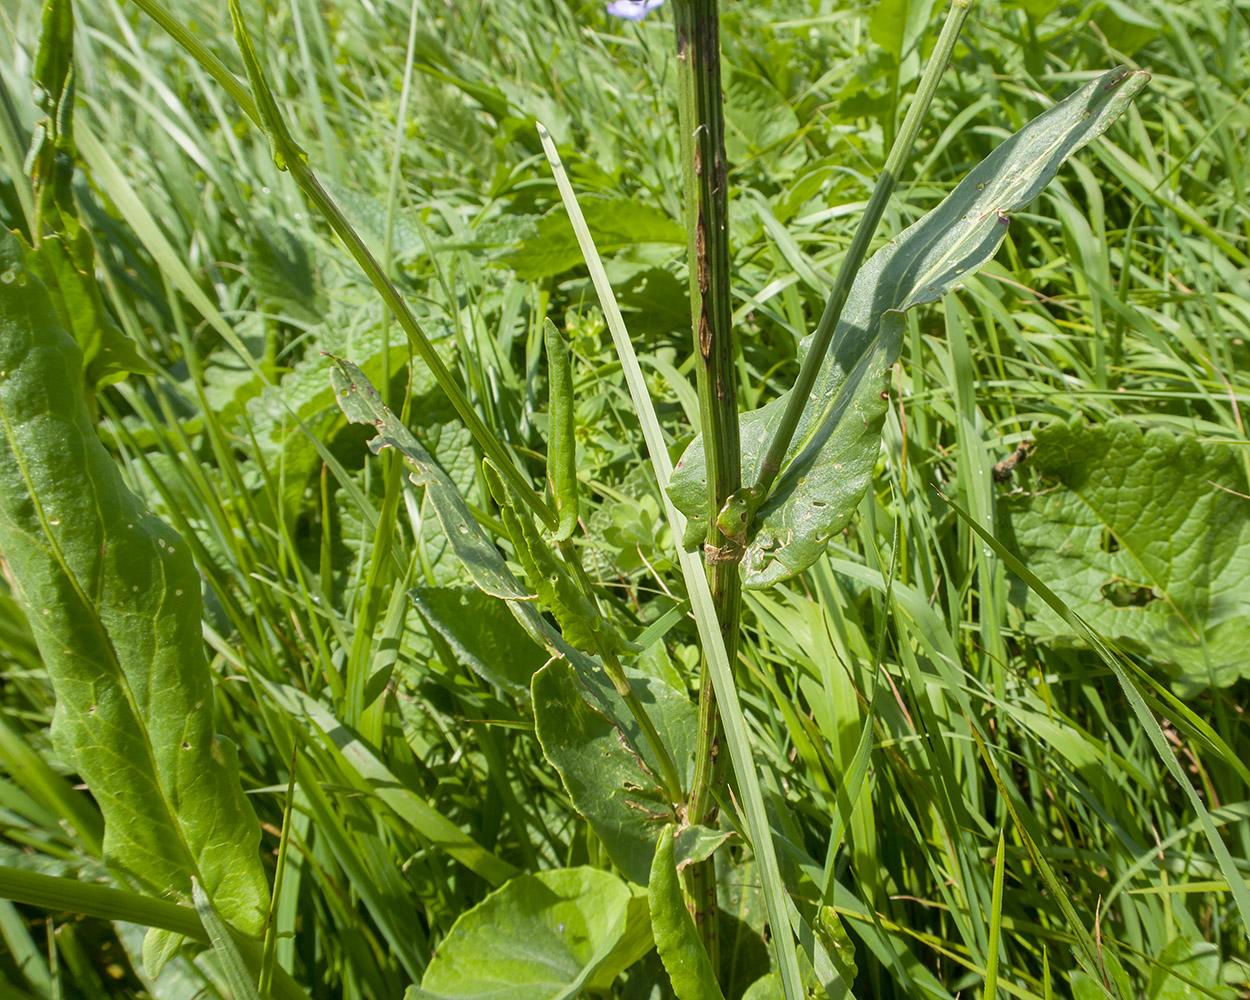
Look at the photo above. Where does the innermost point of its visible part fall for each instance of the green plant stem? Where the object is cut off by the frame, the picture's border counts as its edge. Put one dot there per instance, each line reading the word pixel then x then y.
pixel 693 569
pixel 616 674
pixel 196 49
pixel 896 162
pixel 707 232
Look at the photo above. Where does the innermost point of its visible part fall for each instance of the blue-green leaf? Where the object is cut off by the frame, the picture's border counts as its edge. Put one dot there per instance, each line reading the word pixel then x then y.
pixel 834 452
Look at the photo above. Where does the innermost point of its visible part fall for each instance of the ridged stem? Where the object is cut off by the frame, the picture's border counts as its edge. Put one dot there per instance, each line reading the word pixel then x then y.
pixel 707 231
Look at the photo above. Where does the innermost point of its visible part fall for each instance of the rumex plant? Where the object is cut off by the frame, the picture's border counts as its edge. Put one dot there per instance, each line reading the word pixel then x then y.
pixel 670 785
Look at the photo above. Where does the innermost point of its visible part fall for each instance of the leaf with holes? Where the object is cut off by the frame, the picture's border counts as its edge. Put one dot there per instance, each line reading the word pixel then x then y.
pixel 1147 537
pixel 834 451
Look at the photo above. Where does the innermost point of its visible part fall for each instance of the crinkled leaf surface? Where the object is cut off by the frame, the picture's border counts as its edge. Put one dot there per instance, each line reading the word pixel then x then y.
pixel 831 459
pixel 541 937
pixel 609 784
pixel 1147 537
pixel 114 601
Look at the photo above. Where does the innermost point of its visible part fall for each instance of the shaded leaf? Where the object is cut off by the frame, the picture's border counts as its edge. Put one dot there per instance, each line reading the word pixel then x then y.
pixel 1144 535
pixel 697 843
pixel 482 633
pixel 606 780
pixel 65 257
pixel 834 451
pixel 113 599
pixel 281 272
pixel 1197 961
pixel 580 621
pixel 362 768
pixel 541 937
pixel 362 405
pixel 676 938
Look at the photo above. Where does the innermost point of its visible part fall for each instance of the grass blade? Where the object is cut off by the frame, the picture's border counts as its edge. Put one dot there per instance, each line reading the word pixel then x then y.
pixel 700 596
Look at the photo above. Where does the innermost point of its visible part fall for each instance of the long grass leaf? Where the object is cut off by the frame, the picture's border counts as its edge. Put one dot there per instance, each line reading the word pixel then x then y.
pixel 700 595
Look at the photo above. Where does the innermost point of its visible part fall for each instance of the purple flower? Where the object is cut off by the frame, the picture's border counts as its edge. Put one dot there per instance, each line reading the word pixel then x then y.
pixel 632 10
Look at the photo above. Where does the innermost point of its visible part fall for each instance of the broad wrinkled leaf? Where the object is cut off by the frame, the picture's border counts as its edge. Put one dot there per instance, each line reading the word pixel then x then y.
pixel 541 937
pixel 1147 537
pixel 113 599
pixel 607 782
pixel 361 404
pixel 676 938
pixel 831 459
pixel 282 274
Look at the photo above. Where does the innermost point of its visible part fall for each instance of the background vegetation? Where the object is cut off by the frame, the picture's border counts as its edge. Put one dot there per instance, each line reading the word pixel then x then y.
pixel 1123 292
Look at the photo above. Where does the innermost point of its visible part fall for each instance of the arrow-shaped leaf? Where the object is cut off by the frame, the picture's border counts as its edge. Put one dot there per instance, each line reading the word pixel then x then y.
pixel 831 459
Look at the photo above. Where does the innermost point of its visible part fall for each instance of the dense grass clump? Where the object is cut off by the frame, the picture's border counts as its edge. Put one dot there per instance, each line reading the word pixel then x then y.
pixel 1015 814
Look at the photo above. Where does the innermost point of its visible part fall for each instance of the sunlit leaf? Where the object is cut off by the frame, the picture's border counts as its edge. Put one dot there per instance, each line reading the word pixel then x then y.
pixel 676 938
pixel 541 937
pixel 834 451
pixel 114 602
pixel 1147 537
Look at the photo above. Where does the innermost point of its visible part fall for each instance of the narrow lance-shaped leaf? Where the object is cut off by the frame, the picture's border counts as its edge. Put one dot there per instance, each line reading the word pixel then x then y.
pixel 834 451
pixel 561 443
pixel 361 404
pixel 65 257
pixel 114 602
pixel 676 939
